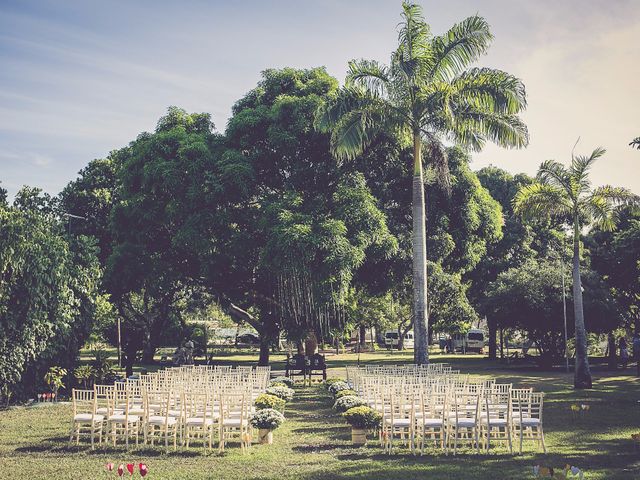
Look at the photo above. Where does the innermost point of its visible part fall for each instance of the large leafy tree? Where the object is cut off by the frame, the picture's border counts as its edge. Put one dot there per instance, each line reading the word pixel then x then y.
pixel 48 290
pixel 528 297
pixel 308 223
pixel 521 241
pixel 425 95
pixel 616 255
pixel 148 264
pixel 566 192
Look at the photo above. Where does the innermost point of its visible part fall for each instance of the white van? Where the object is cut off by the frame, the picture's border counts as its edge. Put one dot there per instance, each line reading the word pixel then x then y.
pixel 472 341
pixel 392 339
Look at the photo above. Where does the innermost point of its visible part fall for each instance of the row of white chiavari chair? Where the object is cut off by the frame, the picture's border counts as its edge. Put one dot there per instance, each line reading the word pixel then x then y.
pixel 439 405
pixel 184 404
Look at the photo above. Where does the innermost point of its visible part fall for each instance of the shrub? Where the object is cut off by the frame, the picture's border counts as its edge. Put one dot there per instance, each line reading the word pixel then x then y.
pixel 286 380
pixel 267 418
pixel 362 417
pixel 338 387
pixel 54 378
pixel 347 402
pixel 345 393
pixel 269 401
pixel 277 384
pixel 84 374
pixel 284 393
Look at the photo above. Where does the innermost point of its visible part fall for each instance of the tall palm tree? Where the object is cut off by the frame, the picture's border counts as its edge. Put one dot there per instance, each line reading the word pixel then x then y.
pixel 426 95
pixel 565 192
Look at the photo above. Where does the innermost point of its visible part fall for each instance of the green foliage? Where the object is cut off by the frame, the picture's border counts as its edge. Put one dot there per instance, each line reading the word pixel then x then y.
pixel 616 256
pixel 362 417
pixel 47 292
pixel 54 378
pixel 104 370
pixel 345 403
pixel 266 400
pixel 267 418
pixel 84 374
pixel 529 298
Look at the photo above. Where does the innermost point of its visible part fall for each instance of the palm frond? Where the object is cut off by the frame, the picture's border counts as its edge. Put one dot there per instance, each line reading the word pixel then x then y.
pixel 618 196
pixel 435 156
pixel 473 127
pixel 414 39
pixel 554 173
pixel 369 74
pixel 462 45
pixel 600 211
pixel 541 200
pixel 580 165
pixel 490 90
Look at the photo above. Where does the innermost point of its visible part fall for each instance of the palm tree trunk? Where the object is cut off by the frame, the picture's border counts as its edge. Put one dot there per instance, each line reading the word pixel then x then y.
pixel 582 378
pixel 420 319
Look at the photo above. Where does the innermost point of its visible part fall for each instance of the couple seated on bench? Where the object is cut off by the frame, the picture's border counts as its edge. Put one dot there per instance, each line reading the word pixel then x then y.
pixel 300 364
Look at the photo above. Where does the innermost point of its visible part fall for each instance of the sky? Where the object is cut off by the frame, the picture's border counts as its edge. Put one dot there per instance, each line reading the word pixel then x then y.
pixel 79 78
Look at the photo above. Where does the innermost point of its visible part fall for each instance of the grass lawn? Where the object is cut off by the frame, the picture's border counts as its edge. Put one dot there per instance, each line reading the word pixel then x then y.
pixel 314 444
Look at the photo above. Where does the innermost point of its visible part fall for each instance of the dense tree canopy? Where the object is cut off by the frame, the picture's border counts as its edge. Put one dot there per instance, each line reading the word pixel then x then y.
pixel 48 289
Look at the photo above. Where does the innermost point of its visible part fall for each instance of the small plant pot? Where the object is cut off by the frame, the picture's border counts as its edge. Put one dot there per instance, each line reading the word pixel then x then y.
pixel 358 436
pixel 265 437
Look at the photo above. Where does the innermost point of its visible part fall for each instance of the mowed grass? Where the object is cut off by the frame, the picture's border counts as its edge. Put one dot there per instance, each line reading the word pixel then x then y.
pixel 314 443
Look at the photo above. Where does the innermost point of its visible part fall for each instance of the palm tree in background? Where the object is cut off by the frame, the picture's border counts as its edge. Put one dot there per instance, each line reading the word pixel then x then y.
pixel 426 95
pixel 567 194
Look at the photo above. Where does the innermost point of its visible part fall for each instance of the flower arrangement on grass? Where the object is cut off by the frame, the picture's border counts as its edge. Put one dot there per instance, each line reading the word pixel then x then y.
pixel 345 393
pixel 282 380
pixel 363 417
pixel 267 419
pixel 269 401
pixel 567 472
pixel 330 381
pixel 285 393
pixel 336 387
pixel 348 402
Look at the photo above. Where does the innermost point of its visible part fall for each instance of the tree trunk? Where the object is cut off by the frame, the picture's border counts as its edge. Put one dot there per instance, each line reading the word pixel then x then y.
pixel 420 318
pixel 582 378
pixel 493 344
pixel 148 349
pixel 263 360
pixel 363 335
pixel 611 350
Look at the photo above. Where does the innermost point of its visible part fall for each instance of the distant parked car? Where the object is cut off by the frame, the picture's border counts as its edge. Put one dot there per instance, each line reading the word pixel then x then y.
pixel 248 339
pixel 392 339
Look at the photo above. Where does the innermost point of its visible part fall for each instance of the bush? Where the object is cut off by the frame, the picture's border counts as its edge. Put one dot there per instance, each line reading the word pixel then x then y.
pixel 345 393
pixel 362 417
pixel 286 380
pixel 269 401
pixel 267 418
pixel 284 393
pixel 277 384
pixel 84 375
pixel 336 387
pixel 347 402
